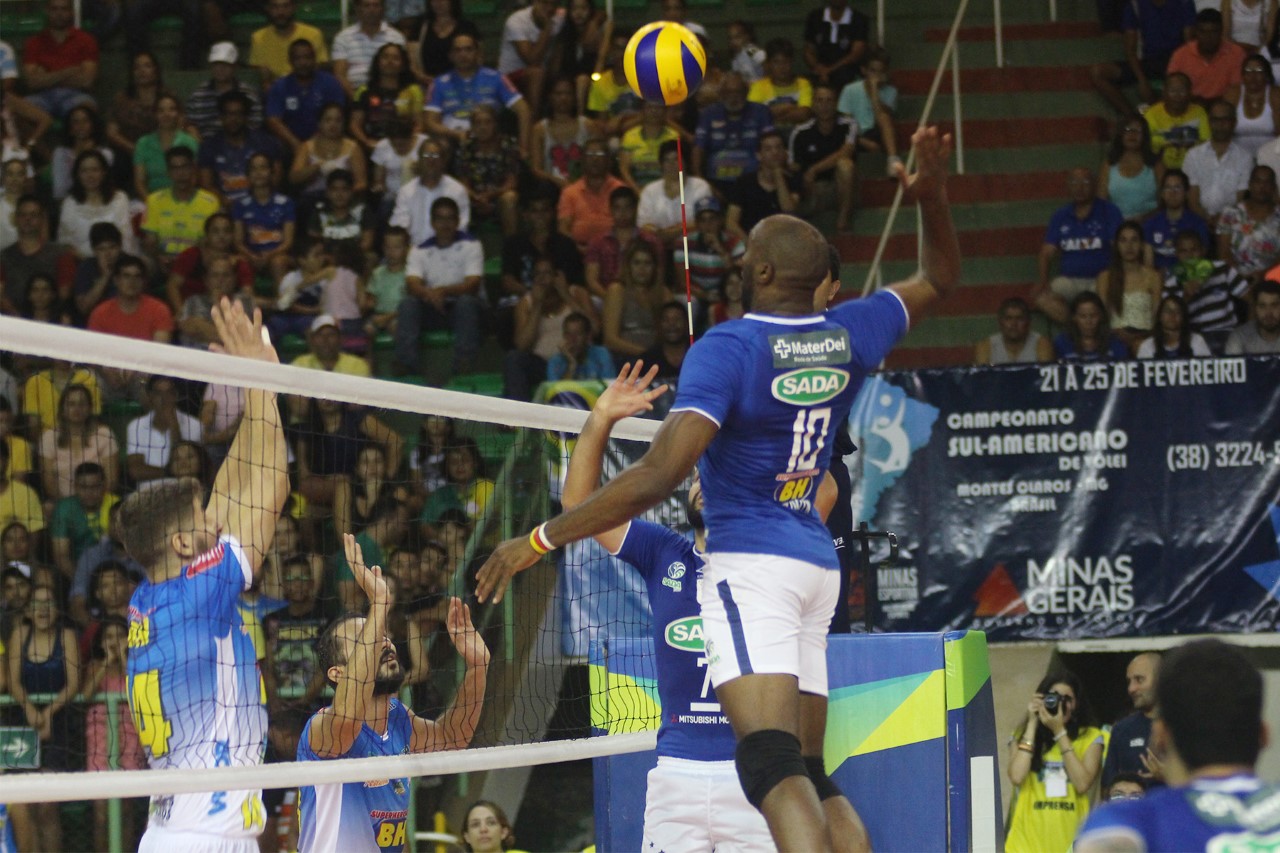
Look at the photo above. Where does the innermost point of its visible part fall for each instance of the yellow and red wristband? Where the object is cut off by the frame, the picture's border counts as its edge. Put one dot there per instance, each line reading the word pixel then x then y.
pixel 538 540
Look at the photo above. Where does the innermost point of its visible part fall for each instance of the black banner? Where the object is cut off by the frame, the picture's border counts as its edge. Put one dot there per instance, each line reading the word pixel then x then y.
pixel 1067 501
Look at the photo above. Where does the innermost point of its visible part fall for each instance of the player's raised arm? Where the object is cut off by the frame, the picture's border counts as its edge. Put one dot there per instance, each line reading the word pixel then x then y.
pixel 253 482
pixel 336 728
pixel 940 250
pixel 627 395
pixel 674 451
pixel 455 727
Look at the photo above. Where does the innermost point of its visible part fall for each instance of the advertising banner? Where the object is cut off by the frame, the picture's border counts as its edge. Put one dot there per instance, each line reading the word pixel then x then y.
pixel 1075 500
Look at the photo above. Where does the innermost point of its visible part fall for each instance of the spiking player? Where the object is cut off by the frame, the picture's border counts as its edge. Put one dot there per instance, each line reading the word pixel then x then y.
pixel 193 681
pixel 757 401
pixel 693 802
pixel 366 720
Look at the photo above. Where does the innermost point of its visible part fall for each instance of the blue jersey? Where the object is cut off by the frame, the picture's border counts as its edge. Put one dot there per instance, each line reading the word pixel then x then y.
pixel 194 688
pixel 454 96
pixel 778 388
pixel 264 222
pixel 693 725
pixel 357 817
pixel 1085 244
pixel 1235 813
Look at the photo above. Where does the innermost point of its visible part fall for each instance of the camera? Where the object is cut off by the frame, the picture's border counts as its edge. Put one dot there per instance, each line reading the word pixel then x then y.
pixel 1052 701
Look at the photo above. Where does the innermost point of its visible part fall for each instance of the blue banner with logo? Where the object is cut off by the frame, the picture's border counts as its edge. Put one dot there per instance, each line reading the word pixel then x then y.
pixel 1089 500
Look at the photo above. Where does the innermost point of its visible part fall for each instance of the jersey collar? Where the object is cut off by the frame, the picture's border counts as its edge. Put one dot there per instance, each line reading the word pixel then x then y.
pixel 785 321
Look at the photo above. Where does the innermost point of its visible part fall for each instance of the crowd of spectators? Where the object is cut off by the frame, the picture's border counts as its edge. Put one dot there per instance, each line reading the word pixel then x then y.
pixel 364 179
pixel 1171 249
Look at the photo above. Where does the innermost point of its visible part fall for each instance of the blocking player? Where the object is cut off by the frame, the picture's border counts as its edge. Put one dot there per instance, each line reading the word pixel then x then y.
pixel 193 681
pixel 366 720
pixel 1209 727
pixel 693 801
pixel 757 401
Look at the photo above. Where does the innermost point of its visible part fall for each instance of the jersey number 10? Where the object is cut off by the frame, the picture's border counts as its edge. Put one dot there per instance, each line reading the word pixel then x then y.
pixel 809 436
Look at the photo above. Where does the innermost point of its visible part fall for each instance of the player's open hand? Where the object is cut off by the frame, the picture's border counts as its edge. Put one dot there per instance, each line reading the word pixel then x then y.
pixel 933 161
pixel 239 334
pixel 630 393
pixel 466 639
pixel 368 578
pixel 514 555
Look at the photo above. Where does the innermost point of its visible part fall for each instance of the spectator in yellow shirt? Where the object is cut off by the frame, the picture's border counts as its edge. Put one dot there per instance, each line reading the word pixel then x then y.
pixel 1177 124
pixel 18 501
pixel 788 96
pixel 269 47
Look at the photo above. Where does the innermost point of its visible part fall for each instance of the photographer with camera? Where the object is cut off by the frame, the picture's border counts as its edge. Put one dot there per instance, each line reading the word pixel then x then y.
pixel 1056 760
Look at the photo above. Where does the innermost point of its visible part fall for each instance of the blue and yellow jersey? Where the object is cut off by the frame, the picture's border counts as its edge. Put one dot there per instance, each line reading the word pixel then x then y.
pixel 358 817
pixel 194 688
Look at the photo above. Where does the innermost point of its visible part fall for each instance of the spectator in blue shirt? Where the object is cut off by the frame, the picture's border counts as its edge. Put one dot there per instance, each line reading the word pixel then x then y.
pixel 294 101
pixel 728 135
pixel 454 94
pixel 1088 336
pixel 1153 30
pixel 1079 238
pixel 578 357
pixel 1172 217
pixel 224 156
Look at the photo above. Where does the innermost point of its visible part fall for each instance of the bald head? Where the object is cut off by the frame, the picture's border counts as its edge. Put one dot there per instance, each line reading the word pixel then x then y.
pixel 788 256
pixel 1141 676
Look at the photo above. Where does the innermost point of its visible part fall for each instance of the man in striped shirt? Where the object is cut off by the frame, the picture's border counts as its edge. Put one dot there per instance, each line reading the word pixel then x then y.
pixel 1213 290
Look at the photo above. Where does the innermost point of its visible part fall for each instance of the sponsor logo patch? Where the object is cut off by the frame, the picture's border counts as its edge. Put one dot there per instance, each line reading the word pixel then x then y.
pixel 806 349
pixel 809 386
pixel 686 634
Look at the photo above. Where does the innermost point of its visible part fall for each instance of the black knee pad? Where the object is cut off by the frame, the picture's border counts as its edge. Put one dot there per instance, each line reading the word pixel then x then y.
pixel 818 774
pixel 764 759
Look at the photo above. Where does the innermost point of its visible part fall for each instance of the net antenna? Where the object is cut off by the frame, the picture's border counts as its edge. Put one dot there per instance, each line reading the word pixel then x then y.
pixel 684 236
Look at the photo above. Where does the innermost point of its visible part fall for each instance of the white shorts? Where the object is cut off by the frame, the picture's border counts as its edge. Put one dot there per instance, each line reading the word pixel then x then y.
pixel 699 807
pixel 157 839
pixel 767 614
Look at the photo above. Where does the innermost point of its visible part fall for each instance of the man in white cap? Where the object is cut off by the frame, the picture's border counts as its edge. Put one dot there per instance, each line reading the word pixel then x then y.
pixel 324 350
pixel 202 106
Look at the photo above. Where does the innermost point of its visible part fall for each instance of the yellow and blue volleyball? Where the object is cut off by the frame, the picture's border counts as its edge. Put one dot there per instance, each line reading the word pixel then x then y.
pixel 664 62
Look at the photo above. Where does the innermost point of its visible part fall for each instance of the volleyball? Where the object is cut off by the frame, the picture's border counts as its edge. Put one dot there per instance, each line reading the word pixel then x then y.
pixel 664 62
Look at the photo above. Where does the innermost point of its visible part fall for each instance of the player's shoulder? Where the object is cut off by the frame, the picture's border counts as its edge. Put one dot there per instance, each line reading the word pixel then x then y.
pixel 649 534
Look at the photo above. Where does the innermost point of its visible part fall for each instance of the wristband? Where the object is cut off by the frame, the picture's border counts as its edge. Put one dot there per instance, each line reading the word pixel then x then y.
pixel 538 540
pixel 1023 746
pixel 1060 735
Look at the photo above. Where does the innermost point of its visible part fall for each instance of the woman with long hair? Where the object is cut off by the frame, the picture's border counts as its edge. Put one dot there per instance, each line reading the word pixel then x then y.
pixel 1129 286
pixel 329 149
pixel 84 132
pixel 43 303
pixel 94 198
pixel 1249 231
pixel 486 829
pixel 556 144
pixel 391 92
pixel 431 51
pixel 1131 171
pixel 44 661
pixel 579 49
pixel 133 110
pixel 1088 336
pixel 150 173
pixel 1257 103
pixel 1173 337
pixel 1057 758
pixel 427 461
pixel 632 303
pixel 188 270
pixel 77 437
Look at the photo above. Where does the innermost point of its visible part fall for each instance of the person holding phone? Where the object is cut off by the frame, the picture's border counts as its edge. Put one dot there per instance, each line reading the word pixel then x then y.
pixel 1056 759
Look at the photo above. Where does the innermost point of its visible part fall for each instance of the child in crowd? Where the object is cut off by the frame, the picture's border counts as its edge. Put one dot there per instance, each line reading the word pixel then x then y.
pixel 395 161
pixel 344 223
pixel 106 675
pixel 385 288
pixel 318 286
pixel 871 102
pixel 748 57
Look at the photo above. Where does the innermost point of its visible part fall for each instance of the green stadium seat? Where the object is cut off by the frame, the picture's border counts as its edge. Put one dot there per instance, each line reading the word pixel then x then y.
pixel 292 346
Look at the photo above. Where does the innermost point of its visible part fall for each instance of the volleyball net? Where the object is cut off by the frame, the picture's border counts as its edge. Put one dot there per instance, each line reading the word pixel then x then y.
pixel 428 480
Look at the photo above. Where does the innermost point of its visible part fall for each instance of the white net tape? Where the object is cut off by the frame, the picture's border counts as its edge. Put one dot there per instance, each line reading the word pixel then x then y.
pixel 64 787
